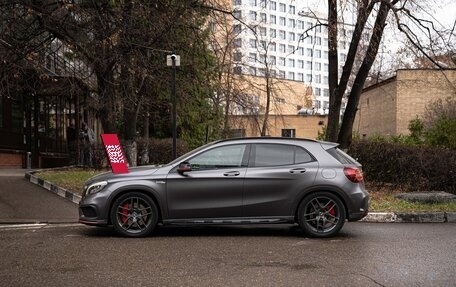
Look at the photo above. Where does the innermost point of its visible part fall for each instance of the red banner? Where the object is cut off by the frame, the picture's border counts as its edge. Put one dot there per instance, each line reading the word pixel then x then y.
pixel 115 153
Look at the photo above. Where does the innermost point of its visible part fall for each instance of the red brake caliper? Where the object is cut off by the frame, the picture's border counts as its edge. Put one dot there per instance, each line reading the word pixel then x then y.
pixel 331 210
pixel 124 212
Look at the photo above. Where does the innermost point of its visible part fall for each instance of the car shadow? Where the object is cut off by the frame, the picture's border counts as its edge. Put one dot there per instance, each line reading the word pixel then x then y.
pixel 282 230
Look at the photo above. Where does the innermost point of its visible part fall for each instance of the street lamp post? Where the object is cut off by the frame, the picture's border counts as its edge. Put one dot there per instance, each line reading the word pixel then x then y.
pixel 173 60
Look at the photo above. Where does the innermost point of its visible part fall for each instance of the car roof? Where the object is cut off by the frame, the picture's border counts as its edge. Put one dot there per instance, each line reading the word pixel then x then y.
pixel 325 144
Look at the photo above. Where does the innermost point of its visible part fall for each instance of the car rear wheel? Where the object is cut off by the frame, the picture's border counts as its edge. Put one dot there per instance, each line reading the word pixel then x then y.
pixel 134 214
pixel 321 214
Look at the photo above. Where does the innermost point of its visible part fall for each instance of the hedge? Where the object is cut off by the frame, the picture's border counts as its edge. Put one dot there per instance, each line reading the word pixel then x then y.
pixel 406 167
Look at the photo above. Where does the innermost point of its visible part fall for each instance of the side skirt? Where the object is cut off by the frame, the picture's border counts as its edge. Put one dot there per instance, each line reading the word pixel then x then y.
pixel 234 220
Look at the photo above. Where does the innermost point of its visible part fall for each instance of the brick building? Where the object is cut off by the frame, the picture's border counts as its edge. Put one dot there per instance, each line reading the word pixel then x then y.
pixel 387 108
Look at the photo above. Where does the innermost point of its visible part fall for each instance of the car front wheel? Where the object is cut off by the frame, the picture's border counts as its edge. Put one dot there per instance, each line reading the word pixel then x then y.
pixel 134 214
pixel 321 214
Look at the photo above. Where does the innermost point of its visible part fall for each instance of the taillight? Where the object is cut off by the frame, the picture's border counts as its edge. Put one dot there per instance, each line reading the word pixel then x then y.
pixel 354 174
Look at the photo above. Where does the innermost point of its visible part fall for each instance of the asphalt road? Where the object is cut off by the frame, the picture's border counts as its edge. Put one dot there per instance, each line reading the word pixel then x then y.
pixel 60 254
pixel 23 202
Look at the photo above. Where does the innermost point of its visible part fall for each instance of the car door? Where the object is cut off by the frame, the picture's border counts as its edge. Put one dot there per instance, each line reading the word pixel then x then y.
pixel 276 173
pixel 213 188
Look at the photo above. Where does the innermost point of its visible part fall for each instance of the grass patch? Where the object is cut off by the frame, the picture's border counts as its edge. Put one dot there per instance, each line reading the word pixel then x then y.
pixel 385 201
pixel 71 179
pixel 382 199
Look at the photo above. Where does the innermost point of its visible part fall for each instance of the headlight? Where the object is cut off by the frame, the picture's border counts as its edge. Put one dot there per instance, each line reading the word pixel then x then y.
pixel 96 187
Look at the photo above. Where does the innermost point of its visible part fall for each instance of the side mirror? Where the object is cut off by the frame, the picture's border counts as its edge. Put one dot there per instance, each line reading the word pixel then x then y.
pixel 184 167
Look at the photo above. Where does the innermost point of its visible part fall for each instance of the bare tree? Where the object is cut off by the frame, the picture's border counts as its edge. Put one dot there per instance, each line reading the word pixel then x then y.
pixel 380 10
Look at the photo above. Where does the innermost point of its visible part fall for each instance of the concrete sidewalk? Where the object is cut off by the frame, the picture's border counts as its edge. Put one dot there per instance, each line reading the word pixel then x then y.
pixel 420 217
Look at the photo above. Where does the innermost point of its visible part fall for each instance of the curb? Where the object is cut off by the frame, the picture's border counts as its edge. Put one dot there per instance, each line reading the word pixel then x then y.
pixel 380 217
pixel 62 192
pixel 415 217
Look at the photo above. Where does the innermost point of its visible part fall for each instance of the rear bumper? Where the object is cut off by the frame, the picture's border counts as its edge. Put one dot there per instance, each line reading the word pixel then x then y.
pixel 357 216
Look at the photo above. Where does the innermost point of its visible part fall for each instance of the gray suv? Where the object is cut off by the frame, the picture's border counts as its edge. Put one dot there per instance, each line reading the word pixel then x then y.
pixel 235 181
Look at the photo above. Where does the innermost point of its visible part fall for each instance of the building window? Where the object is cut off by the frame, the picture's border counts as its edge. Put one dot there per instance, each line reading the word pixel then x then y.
pixel 291 63
pixel 282 7
pixel 291 23
pixel 282 21
pixel 237 43
pixel 308 65
pixel 263 44
pixel 317 66
pixel 289 133
pixel 325 92
pixel 237 14
pixel 272 19
pixel 253 2
pixel 272 47
pixel 252 43
pixel 325 67
pixel 237 70
pixel 280 100
pixel 301 24
pixel 318 79
pixel 291 76
pixel 237 29
pixel 272 5
pixel 262 31
pixel 252 15
pixel 281 74
pixel 292 9
pixel 272 33
pixel 309 52
pixel 309 78
pixel 282 48
pixel 282 35
pixel 282 61
pixel 309 40
pixel 291 49
pixel 301 77
pixel 272 60
pixel 263 17
pixel 301 51
pixel 237 56
pixel 252 57
pixel 292 36
pixel 325 80
pixel 325 54
pixel 317 92
pixel 318 41
pixel 261 72
pixel 237 2
pixel 301 64
pixel 252 71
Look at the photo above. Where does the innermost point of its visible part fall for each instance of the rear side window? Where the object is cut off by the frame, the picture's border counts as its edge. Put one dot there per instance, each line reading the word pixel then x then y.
pixel 341 156
pixel 279 154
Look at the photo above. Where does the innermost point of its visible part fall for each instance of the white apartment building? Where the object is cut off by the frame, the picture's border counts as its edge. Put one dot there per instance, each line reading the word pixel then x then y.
pixel 287 40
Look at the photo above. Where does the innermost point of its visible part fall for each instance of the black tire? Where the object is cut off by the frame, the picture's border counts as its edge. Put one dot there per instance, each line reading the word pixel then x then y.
pixel 321 214
pixel 134 214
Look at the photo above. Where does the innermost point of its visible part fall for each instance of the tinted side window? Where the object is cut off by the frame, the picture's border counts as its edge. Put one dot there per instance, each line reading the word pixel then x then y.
pixel 279 154
pixel 302 156
pixel 220 157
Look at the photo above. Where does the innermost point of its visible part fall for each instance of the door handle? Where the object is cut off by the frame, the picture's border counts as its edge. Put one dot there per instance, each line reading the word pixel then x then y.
pixel 232 173
pixel 297 170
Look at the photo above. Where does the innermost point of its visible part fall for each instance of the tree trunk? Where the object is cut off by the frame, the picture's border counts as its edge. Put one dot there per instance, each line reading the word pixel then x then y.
pixel 264 128
pixel 346 130
pixel 333 64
